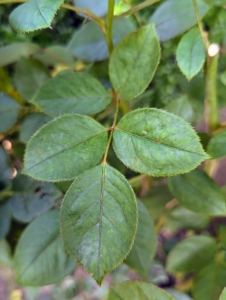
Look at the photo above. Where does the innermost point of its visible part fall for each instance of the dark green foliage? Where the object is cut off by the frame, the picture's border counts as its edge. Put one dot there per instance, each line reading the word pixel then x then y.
pixel 80 114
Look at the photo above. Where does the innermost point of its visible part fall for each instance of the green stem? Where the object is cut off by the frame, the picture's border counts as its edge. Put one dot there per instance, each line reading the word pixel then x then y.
pixel 112 127
pixel 203 35
pixel 87 13
pixel 110 14
pixel 211 109
pixel 11 1
pixel 136 8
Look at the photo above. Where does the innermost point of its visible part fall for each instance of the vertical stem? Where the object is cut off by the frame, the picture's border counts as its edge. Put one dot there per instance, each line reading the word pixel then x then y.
pixel 112 127
pixel 211 109
pixel 110 14
pixel 203 35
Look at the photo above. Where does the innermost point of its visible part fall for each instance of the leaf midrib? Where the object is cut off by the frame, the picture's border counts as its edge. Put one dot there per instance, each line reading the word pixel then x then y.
pixel 65 149
pixel 152 141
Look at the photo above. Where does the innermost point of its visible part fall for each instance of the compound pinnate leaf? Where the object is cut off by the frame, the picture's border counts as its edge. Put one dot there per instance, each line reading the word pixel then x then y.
pixel 157 143
pixel 137 65
pixel 198 192
pixel 145 242
pixel 9 111
pixel 138 290
pixel 40 258
pixel 216 146
pixel 191 254
pixel 191 53
pixel 34 15
pixel 64 148
pixel 72 93
pixel 99 220
pixel 173 17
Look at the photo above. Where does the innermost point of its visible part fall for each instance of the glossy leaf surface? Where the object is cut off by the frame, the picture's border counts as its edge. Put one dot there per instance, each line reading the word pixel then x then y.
pixel 89 42
pixel 99 220
pixel 198 192
pixel 138 290
pixel 173 17
pixel 44 261
pixel 64 148
pixel 34 15
pixel 191 53
pixel 217 145
pixel 9 111
pixel 31 124
pixel 141 61
pixel 145 242
pixel 191 254
pixel 29 76
pixel 72 93
pixel 157 143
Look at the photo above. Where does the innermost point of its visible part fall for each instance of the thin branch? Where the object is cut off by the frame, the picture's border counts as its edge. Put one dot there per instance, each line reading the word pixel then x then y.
pixel 202 32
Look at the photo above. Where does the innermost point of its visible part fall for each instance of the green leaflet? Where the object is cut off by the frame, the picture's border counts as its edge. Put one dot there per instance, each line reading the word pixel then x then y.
pixel 191 254
pixel 99 220
pixel 9 111
pixel 210 281
pixel 157 143
pixel 40 258
pixel 13 52
pixel 34 15
pixel 29 76
pixel 5 254
pixel 64 148
pixel 191 53
pixel 5 167
pixel 181 107
pixel 223 295
pixel 89 44
pixel 156 200
pixel 31 124
pixel 138 290
pixel 55 54
pixel 5 218
pixel 216 147
pixel 198 192
pixel 131 71
pixel 31 198
pixel 145 242
pixel 72 93
pixel 181 217
pixel 173 17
